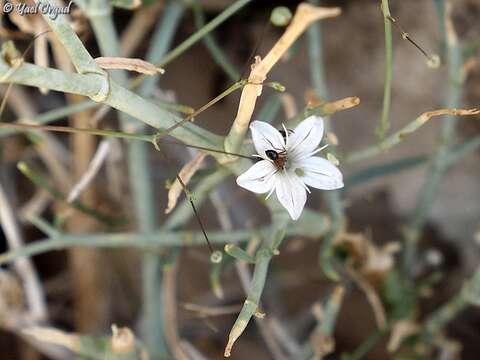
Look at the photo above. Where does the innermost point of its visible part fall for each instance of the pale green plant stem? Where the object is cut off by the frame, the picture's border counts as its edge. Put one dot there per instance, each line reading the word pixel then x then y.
pixel 152 264
pixel 218 55
pixel 387 143
pixel 464 149
pixel 468 295
pixel 183 211
pixel 366 346
pixel 270 109
pixel 280 220
pixel 210 26
pixel 332 198
pixel 53 115
pixel 312 225
pixel 120 98
pixel 387 86
pixel 138 160
pixel 326 324
pixel 41 182
pixel 68 110
pixel 440 158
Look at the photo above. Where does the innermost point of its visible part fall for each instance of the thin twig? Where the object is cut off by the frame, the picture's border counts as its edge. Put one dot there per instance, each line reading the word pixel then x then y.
pixel 24 267
pixel 384 124
pixel 91 172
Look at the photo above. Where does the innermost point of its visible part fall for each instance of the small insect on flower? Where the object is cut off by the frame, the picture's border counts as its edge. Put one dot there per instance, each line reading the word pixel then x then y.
pixel 288 165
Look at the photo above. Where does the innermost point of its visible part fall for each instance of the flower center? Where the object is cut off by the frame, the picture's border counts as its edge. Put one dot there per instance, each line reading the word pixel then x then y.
pixel 299 172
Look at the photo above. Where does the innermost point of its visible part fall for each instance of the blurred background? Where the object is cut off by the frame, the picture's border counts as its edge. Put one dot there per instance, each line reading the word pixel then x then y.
pixel 88 289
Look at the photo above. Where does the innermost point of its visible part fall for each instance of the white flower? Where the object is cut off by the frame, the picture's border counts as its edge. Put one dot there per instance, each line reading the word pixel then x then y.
pixel 291 166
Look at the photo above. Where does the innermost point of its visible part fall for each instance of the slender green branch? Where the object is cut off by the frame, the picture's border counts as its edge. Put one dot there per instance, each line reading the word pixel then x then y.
pixel 469 295
pixel 280 220
pixel 366 346
pixel 152 264
pixel 99 12
pixel 332 198
pixel 66 129
pixel 183 212
pixel 312 225
pixel 270 108
pixel 198 35
pixel 218 55
pixel 440 158
pixel 387 87
pixel 323 332
pixel 78 54
pixel 40 181
pixel 239 254
pixel 53 115
pixel 376 171
pixel 464 149
pixel 409 129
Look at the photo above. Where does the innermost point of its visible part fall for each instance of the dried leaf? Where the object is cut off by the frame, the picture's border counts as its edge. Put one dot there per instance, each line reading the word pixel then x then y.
pixel 366 257
pixel 372 297
pixel 121 63
pixel 185 174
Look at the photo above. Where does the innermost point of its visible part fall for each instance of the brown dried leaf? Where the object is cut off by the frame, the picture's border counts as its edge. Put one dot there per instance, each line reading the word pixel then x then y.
pixel 342 104
pixel 121 63
pixel 366 257
pixel 185 174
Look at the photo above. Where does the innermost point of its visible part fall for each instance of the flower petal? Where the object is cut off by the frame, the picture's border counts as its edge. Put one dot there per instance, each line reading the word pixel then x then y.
pixel 260 178
pixel 291 193
pixel 320 173
pixel 306 137
pixel 266 137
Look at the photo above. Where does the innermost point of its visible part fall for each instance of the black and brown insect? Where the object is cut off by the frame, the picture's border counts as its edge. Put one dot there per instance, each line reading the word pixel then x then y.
pixel 279 156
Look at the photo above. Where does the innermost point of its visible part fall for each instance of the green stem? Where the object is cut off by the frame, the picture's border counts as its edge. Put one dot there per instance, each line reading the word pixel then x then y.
pixel 367 345
pixel 326 324
pixel 440 158
pixel 464 149
pixel 138 161
pixel 387 87
pixel 224 15
pixel 332 198
pixel 215 50
pixel 40 181
pixel 66 129
pixel 280 220
pixel 313 226
pixel 389 142
pixel 53 115
pixel 468 295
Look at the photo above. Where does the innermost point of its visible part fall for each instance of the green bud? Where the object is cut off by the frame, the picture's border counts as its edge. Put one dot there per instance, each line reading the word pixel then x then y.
pixel 281 16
